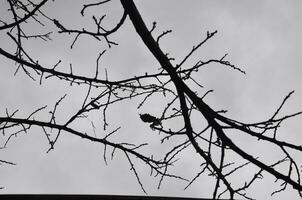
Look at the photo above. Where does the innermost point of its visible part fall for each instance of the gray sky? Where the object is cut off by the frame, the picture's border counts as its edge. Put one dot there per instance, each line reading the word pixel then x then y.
pixel 261 37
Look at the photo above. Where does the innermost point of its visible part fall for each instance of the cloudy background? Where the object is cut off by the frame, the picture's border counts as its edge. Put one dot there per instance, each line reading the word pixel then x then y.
pixel 262 37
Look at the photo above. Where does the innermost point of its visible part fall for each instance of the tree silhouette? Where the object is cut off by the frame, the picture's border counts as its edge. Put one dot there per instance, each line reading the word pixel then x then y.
pixel 204 130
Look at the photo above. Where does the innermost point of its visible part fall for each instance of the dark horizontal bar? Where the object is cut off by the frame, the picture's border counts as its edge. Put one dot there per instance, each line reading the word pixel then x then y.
pixel 87 197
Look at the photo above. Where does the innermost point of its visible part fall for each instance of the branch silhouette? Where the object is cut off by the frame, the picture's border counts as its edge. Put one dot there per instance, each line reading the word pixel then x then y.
pixel 212 143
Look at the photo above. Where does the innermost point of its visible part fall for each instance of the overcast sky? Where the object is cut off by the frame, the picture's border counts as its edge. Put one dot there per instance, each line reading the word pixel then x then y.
pixel 261 37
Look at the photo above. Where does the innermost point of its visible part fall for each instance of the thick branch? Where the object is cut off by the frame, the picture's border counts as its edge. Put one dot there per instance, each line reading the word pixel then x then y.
pixel 207 112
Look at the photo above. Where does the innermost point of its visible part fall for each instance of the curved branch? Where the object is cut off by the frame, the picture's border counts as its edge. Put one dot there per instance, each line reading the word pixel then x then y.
pixel 77 133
